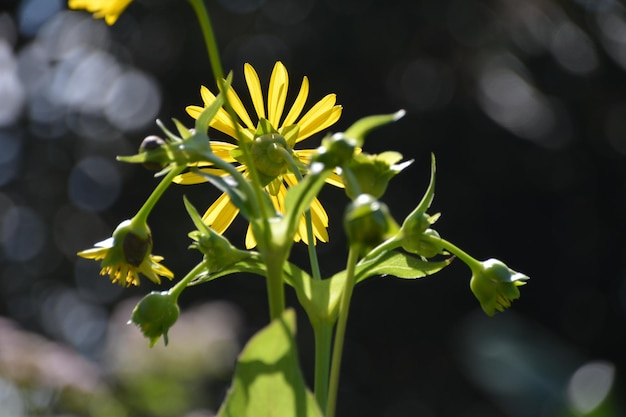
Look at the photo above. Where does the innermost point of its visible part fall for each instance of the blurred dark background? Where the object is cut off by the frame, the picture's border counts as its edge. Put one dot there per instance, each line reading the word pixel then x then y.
pixel 522 102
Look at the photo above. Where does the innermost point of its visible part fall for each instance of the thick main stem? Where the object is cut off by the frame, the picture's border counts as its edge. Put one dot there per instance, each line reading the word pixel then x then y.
pixel 340 332
pixel 323 333
pixel 275 286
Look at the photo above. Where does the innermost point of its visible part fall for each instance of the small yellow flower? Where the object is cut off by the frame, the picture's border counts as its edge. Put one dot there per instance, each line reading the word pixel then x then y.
pixel 110 10
pixel 126 254
pixel 292 127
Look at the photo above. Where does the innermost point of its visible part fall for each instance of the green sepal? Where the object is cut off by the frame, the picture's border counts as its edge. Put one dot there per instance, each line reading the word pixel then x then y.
pixel 264 127
pixel 372 173
pixel 182 129
pixel 362 127
pixel 268 381
pixel 418 221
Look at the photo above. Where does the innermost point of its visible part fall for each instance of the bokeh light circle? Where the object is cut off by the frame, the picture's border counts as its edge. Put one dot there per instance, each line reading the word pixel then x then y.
pixel 94 184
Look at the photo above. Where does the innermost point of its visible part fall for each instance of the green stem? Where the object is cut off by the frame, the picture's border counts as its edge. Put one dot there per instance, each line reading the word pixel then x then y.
pixel 340 332
pixel 216 65
pixel 142 215
pixel 315 266
pixel 323 333
pixel 388 245
pixel 469 260
pixel 177 289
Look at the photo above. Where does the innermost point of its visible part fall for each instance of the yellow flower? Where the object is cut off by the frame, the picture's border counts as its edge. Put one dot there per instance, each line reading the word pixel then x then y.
pixel 126 254
pixel 110 10
pixel 292 128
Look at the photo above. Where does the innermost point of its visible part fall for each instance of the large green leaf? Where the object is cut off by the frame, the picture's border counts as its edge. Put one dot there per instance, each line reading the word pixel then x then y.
pixel 268 381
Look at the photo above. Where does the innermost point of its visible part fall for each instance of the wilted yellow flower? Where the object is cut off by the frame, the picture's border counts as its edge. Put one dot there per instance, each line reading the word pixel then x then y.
pixel 127 254
pixel 292 128
pixel 110 10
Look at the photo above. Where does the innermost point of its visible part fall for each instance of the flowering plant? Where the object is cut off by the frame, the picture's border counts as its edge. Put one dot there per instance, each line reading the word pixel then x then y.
pixel 264 176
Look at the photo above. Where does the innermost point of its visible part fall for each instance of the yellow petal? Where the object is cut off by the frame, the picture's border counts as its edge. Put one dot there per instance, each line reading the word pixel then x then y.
pixel 254 86
pixel 298 104
pixel 222 120
pixel 239 108
pixel 250 240
pixel 194 111
pixel 320 218
pixel 109 10
pixel 335 180
pixel 279 199
pixel 94 253
pixel 221 214
pixel 222 150
pixel 322 115
pixel 277 94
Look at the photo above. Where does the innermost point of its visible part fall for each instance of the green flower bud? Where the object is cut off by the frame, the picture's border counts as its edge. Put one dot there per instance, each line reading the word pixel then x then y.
pixel 267 155
pixel 218 252
pixel 367 222
pixel 151 143
pixel 335 151
pixel 372 173
pixel 155 314
pixel 495 285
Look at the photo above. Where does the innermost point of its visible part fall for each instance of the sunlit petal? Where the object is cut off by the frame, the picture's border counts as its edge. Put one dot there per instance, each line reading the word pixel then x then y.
pixel 323 114
pixel 222 150
pixel 277 93
pixel 335 180
pixel 109 10
pixel 239 108
pixel 298 104
pixel 250 240
pixel 256 94
pixel 221 214
pixel 321 121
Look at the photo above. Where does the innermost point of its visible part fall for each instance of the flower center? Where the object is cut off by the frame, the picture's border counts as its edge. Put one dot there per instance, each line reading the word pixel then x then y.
pixel 136 248
pixel 268 154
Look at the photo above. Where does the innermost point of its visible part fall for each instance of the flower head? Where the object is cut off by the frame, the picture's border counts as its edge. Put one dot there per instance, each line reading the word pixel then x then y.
pixel 126 254
pixel 495 285
pixel 273 129
pixel 110 10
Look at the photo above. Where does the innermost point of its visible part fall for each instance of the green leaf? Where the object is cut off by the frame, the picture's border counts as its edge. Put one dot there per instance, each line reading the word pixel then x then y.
pixel 268 381
pixel 399 265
